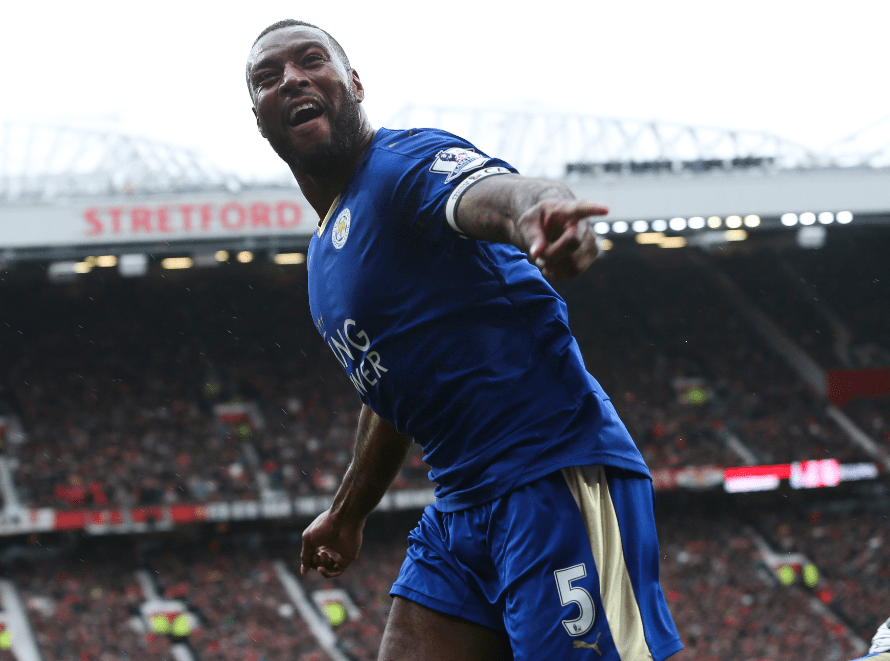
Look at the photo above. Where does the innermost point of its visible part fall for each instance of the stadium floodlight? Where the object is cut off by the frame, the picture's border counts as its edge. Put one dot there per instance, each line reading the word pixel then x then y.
pixel 619 227
pixel 659 225
pixel 222 255
pixel 673 242
pixel 807 218
pixel 752 220
pixel 640 226
pixel 601 227
pixel 789 219
pixel 826 217
pixel 245 256
pixel 735 235
pixel 83 267
pixel 677 224
pixel 173 263
pixel 696 222
pixel 106 261
pixel 714 222
pixel 733 222
pixel 606 244
pixel 844 217
pixel 290 258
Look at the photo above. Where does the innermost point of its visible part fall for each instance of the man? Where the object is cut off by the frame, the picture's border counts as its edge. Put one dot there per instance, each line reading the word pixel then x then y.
pixel 541 542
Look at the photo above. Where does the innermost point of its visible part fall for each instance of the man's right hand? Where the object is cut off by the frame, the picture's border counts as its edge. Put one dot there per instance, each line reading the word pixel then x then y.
pixel 329 546
pixel 560 240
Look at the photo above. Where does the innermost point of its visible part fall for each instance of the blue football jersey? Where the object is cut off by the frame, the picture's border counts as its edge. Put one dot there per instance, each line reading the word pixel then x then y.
pixel 459 343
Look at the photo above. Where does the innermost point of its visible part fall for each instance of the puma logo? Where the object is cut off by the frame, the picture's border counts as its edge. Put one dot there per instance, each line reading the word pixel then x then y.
pixel 580 644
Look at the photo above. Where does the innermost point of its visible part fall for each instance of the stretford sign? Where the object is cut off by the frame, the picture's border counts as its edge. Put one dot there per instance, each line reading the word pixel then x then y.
pixel 255 212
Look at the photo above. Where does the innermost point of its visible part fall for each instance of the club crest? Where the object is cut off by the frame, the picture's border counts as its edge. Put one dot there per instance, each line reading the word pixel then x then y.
pixel 340 230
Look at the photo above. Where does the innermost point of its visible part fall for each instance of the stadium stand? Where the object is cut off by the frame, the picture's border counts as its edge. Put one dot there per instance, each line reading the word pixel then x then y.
pixel 212 386
pixel 649 330
pixel 852 279
pixel 849 549
pixel 727 604
pixel 84 608
pixel 727 601
pixel 117 396
pixel 771 287
pixel 242 608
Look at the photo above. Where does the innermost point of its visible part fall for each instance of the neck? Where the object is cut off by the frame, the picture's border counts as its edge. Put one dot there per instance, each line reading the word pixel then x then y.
pixel 321 191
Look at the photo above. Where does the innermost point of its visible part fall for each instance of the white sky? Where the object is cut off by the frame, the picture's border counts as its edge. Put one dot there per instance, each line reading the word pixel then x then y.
pixel 809 70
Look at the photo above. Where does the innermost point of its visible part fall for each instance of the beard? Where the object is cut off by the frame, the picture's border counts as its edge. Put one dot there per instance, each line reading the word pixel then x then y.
pixel 325 158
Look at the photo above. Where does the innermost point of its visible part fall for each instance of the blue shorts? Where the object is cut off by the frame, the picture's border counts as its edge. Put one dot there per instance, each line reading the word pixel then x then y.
pixel 567 562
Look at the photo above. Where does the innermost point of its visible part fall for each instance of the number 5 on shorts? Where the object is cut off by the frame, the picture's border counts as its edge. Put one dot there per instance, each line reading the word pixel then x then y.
pixel 569 595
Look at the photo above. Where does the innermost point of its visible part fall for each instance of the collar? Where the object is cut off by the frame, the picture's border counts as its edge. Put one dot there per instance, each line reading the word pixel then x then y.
pixel 324 221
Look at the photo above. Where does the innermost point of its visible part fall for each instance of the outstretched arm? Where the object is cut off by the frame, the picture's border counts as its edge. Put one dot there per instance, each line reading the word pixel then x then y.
pixel 540 217
pixel 332 542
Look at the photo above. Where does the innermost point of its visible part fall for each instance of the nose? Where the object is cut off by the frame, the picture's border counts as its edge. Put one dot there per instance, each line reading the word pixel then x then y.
pixel 293 78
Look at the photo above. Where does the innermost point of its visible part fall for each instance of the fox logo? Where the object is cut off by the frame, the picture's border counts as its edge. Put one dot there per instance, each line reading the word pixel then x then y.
pixel 580 644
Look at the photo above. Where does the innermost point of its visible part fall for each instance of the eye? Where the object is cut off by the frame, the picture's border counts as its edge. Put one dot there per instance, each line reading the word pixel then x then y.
pixel 262 78
pixel 312 58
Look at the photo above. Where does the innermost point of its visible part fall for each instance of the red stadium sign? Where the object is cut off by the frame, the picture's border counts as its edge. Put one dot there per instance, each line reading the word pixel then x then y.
pixel 255 212
pixel 145 222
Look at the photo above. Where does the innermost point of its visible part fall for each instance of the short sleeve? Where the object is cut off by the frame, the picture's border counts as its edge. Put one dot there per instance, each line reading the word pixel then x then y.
pixel 435 172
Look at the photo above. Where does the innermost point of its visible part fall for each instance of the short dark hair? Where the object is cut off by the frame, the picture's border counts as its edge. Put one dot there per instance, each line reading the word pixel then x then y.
pixel 290 22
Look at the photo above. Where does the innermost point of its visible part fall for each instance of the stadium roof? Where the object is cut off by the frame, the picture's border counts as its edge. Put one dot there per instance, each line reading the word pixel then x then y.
pixel 40 163
pixel 543 143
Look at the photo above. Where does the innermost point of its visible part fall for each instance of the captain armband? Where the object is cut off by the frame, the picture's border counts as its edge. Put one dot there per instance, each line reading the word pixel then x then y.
pixel 463 187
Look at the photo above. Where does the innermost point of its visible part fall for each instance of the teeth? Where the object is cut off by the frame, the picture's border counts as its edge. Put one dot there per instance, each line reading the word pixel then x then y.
pixel 308 105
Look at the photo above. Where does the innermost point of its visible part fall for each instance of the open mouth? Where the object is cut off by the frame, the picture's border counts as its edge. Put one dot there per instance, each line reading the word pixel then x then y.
pixel 304 112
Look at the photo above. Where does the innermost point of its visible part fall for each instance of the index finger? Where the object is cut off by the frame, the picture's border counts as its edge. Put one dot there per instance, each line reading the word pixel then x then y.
pixel 578 209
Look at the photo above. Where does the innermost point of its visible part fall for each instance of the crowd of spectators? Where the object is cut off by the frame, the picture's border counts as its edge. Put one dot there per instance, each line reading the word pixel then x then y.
pixel 725 599
pixel 726 603
pixel 117 393
pixel 850 550
pixel 241 606
pixel 874 419
pixel 85 607
pixel 368 582
pixel 647 329
pixel 768 283
pixel 852 279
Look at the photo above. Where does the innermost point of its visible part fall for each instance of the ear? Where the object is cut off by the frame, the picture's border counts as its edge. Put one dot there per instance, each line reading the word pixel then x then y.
pixel 258 125
pixel 357 86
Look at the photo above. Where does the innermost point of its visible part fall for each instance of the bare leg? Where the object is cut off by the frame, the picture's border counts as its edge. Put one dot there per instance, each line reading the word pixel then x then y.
pixel 416 633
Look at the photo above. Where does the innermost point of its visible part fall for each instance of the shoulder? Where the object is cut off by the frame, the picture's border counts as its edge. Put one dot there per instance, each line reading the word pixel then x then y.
pixel 420 144
pixel 423 153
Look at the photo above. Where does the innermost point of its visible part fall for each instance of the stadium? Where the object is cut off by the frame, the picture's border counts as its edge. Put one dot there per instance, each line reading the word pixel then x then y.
pixel 170 422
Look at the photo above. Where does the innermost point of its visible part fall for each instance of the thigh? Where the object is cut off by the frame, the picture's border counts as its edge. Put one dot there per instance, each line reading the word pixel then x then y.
pixel 578 570
pixel 416 633
pixel 446 568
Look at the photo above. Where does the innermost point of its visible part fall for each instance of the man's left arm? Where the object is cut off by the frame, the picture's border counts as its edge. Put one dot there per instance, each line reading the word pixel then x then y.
pixel 540 217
